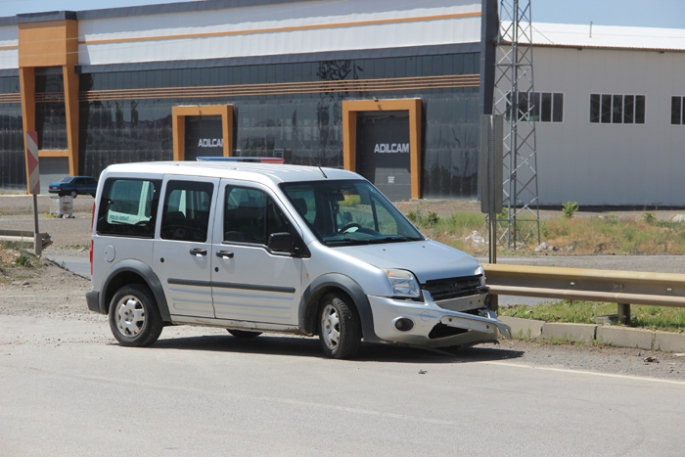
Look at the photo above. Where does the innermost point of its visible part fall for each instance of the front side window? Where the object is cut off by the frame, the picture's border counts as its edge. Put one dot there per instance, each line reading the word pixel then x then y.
pixel 617 109
pixel 251 216
pixel 127 207
pixel 344 213
pixel 185 216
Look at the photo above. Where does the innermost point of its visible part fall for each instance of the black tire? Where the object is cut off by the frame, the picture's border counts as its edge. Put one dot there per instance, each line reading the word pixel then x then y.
pixel 134 317
pixel 243 333
pixel 340 330
pixel 74 194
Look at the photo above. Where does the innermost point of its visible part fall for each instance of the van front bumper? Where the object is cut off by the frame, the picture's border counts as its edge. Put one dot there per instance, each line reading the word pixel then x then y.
pixel 436 326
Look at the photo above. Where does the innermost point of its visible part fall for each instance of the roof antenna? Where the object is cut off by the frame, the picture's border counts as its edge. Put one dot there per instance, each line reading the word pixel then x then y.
pixel 310 152
pixel 590 29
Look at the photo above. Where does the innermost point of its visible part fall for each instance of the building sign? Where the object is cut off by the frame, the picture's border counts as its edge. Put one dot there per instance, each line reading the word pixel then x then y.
pixel 204 137
pixel 392 148
pixel 210 143
pixel 383 152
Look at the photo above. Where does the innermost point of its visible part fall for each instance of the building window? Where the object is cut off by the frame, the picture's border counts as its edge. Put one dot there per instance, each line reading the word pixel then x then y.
pixel 678 110
pixel 617 109
pixel 540 106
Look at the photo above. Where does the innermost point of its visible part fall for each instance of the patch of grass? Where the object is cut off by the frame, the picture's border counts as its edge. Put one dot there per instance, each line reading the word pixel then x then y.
pixel 14 254
pixel 595 235
pixel 583 312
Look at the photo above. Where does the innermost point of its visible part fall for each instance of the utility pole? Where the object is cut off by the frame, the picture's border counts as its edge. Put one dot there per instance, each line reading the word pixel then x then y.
pixel 514 99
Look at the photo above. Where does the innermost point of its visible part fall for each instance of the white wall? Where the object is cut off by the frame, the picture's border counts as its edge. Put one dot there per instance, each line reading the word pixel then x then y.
pixel 9 58
pixel 611 164
pixel 239 22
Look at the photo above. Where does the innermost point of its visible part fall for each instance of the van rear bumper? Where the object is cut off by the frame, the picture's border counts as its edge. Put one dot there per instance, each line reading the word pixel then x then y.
pixel 93 301
pixel 434 326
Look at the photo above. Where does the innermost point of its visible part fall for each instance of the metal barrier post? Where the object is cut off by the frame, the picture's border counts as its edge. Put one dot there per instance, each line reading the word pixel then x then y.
pixel 624 313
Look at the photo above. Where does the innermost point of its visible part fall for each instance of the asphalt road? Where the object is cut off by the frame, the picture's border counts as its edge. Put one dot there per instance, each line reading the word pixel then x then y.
pixel 67 390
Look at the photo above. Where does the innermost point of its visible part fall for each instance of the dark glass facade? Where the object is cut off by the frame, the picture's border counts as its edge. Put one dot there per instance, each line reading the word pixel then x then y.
pixel 305 128
pixel 51 117
pixel 12 161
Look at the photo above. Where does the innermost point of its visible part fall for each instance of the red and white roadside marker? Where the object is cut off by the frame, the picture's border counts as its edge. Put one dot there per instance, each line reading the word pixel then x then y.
pixel 32 162
pixel 34 185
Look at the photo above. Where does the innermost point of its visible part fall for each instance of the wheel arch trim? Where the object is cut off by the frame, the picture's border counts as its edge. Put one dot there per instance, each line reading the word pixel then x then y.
pixel 149 277
pixel 331 282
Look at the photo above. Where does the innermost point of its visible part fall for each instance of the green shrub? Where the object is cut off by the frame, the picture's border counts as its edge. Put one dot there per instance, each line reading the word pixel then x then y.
pixel 432 219
pixel 569 209
pixel 351 201
pixel 648 218
pixel 24 261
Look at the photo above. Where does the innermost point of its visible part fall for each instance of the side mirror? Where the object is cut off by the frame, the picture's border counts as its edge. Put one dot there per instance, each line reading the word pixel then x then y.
pixel 281 242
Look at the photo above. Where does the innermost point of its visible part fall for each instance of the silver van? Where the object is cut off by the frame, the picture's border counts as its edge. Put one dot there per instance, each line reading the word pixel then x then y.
pixel 255 248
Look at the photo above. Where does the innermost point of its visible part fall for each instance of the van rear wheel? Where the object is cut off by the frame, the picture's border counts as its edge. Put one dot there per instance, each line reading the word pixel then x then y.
pixel 133 316
pixel 340 330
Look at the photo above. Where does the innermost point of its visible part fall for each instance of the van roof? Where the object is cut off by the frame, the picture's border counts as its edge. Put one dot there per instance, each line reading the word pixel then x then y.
pixel 250 171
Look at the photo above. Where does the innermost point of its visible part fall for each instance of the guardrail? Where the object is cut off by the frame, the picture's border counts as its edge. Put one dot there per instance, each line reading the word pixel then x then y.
pixel 621 287
pixel 25 236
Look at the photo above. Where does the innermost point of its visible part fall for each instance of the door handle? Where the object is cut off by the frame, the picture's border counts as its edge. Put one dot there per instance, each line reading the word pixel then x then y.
pixel 198 252
pixel 224 254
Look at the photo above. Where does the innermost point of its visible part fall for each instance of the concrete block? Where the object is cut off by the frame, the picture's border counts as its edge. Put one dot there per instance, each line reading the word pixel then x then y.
pixel 625 337
pixel 669 342
pixel 573 332
pixel 525 328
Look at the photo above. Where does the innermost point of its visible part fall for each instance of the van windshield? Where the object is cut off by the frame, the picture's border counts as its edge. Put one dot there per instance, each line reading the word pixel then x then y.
pixel 342 213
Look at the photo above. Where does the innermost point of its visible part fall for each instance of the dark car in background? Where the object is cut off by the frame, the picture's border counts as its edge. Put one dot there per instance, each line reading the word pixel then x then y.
pixel 74 186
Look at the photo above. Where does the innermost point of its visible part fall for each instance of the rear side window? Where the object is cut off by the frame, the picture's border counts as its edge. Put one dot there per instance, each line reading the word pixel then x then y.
pixel 127 207
pixel 185 216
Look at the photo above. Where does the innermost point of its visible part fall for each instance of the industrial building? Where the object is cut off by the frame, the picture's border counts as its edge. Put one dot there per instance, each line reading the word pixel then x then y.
pixel 392 90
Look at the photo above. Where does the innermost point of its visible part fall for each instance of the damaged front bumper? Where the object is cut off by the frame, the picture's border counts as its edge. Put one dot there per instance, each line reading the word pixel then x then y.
pixel 454 322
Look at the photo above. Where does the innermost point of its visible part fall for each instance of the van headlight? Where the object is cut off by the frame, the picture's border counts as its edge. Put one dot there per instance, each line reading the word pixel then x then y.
pixel 403 283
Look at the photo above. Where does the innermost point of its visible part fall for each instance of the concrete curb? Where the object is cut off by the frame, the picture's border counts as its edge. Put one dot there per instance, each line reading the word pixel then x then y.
pixel 609 334
pixel 626 337
pixel 523 328
pixel 572 332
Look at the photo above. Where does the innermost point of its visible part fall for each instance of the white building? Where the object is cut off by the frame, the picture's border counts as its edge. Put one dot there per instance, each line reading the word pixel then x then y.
pixel 621 136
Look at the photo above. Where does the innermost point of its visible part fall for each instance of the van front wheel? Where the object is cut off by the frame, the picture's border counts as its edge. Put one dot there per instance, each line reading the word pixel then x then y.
pixel 133 316
pixel 340 330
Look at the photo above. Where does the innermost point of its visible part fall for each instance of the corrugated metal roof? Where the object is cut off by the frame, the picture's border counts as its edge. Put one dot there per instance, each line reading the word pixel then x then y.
pixel 608 36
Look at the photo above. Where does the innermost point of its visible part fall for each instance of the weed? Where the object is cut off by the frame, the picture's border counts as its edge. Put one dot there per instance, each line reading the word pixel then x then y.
pixel 421 221
pixel 351 201
pixel 49 216
pixel 648 218
pixel 432 219
pixel 569 209
pixel 24 261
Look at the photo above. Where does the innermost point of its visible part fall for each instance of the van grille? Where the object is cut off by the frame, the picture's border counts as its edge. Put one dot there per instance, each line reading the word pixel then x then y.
pixel 442 289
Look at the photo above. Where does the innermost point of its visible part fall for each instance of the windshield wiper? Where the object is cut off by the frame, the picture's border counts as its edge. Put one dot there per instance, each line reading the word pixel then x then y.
pixel 347 241
pixel 394 239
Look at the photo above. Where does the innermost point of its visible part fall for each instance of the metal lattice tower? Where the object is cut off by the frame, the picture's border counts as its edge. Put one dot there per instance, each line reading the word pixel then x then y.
pixel 513 98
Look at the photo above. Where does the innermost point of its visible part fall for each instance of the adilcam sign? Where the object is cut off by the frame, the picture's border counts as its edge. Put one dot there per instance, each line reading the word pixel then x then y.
pixel 210 143
pixel 391 148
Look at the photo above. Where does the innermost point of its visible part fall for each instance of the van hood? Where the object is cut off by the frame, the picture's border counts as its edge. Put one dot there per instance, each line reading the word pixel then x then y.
pixel 427 259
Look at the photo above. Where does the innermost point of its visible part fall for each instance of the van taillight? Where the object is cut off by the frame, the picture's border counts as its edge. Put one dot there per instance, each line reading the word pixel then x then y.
pixel 92 218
